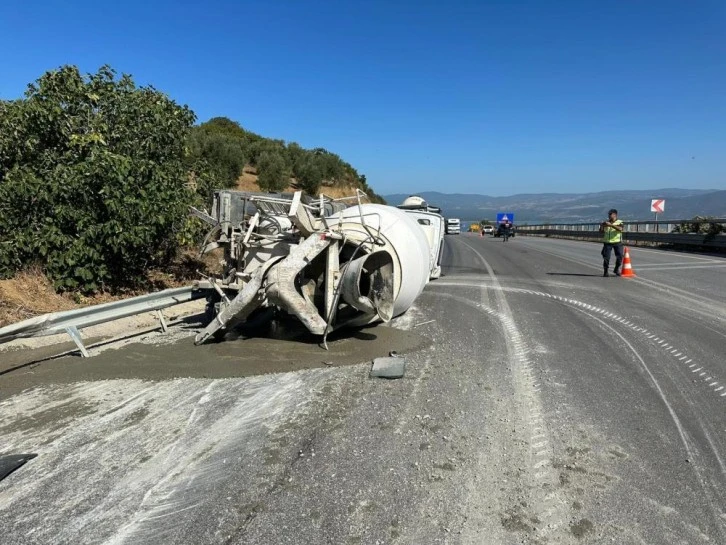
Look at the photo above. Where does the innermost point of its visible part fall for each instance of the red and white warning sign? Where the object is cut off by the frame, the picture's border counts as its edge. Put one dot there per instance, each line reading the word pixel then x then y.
pixel 657 205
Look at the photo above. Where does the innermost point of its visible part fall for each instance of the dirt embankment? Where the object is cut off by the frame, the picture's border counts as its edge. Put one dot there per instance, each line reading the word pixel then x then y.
pixel 30 293
pixel 248 182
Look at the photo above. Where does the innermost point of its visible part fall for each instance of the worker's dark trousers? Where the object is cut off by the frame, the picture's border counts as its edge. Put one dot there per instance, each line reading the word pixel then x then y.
pixel 607 251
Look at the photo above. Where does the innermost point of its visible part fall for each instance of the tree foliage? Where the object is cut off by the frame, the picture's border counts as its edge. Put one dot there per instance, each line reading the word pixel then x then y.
pixel 225 146
pixel 701 225
pixel 274 175
pixel 97 173
pixel 93 181
pixel 221 153
pixel 309 176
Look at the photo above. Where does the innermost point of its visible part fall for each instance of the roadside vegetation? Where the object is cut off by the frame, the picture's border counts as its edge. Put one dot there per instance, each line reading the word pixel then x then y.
pixel 703 225
pixel 97 174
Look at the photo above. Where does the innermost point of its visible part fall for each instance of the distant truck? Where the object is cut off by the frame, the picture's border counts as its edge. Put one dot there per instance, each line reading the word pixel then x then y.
pixel 453 226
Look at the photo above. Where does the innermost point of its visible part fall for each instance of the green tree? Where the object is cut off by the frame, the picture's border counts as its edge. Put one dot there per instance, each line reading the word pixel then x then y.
pixel 221 152
pixel 330 165
pixel 309 176
pixel 297 157
pixel 273 172
pixel 224 125
pixel 93 181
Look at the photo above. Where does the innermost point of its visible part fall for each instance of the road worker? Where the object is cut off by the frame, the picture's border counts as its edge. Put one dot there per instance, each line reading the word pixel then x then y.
pixel 612 231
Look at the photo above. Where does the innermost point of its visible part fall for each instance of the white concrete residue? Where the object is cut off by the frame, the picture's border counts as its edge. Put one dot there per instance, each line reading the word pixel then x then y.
pixel 117 459
pixel 408 320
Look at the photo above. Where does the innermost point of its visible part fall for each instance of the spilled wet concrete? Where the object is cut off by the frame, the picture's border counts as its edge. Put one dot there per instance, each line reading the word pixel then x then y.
pixel 158 356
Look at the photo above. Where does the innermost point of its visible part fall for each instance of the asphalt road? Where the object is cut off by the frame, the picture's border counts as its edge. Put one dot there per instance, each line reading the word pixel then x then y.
pixel 544 404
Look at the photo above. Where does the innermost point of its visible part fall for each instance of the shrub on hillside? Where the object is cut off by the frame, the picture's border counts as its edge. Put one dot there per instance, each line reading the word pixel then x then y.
pixel 273 172
pixel 220 152
pixel 309 176
pixel 701 225
pixel 93 182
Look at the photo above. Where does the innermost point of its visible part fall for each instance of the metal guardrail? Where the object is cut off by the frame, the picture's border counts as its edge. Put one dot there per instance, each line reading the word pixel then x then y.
pixel 71 321
pixel 636 232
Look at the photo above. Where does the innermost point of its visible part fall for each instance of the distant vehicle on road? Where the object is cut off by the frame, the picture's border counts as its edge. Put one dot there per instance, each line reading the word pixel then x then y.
pixel 453 226
pixel 500 230
pixel 487 229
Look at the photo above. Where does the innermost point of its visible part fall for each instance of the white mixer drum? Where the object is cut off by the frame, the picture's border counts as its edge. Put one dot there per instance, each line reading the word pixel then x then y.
pixel 403 238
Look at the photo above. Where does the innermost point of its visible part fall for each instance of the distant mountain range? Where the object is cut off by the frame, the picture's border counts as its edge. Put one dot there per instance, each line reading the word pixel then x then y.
pixel 576 207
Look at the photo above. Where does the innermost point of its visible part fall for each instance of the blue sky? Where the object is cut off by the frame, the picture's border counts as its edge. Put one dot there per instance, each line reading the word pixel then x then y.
pixel 458 96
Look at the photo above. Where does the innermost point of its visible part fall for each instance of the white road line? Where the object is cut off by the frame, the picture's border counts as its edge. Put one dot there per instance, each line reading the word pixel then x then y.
pixel 649 265
pixel 684 268
pixel 637 250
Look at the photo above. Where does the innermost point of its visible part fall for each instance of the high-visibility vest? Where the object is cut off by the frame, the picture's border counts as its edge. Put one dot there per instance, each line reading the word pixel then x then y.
pixel 611 235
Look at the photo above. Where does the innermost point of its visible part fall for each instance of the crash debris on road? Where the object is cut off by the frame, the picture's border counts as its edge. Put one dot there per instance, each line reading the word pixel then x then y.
pixel 329 263
pixel 391 367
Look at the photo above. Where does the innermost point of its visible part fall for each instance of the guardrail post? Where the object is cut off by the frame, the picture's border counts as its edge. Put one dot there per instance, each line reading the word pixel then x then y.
pixel 160 316
pixel 76 336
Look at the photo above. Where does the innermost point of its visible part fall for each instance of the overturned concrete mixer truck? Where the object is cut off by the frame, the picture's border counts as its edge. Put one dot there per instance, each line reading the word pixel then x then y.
pixel 330 263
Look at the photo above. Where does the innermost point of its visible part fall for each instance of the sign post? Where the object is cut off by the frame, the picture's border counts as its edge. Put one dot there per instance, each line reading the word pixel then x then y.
pixel 656 206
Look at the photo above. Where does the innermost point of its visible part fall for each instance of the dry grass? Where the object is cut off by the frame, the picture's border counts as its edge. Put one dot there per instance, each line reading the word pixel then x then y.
pixel 337 192
pixel 248 182
pixel 30 293
pixel 27 294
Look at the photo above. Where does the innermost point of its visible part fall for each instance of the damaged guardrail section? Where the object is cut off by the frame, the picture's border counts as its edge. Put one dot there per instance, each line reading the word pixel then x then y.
pixel 71 321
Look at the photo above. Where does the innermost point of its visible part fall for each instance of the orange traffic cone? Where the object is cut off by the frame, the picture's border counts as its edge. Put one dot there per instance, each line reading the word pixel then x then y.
pixel 627 270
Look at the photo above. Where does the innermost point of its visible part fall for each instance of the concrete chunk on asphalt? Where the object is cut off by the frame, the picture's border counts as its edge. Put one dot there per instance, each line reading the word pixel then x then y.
pixel 391 367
